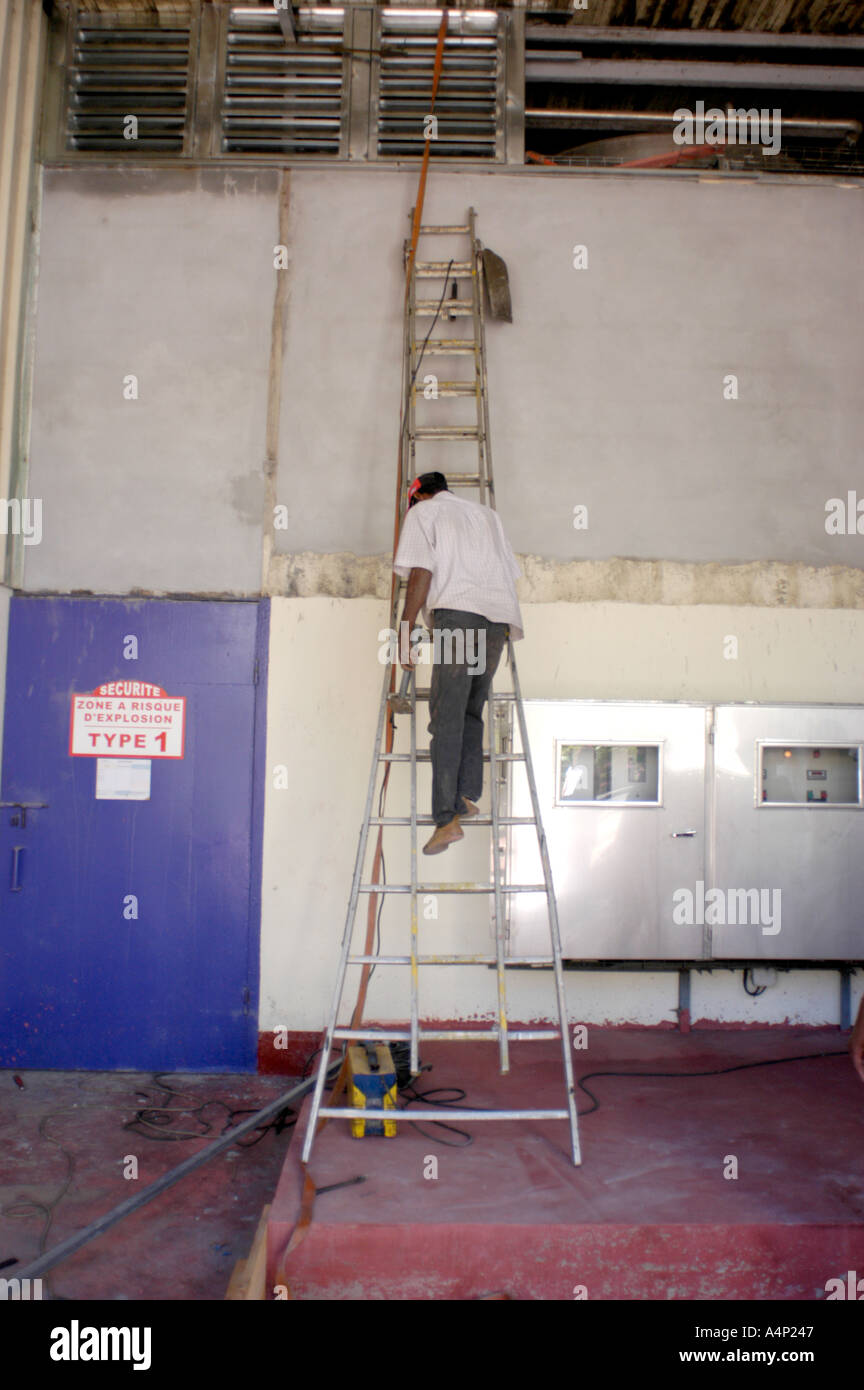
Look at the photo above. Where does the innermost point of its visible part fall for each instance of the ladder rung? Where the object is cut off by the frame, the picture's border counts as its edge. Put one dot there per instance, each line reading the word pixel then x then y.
pixel 422 692
pixel 461 389
pixel 452 888
pixel 454 1113
pixel 463 480
pixel 449 347
pixel 436 270
pixel 471 820
pixel 450 960
pixel 445 432
pixel 455 308
pixel 445 1034
pixel 424 757
pixel 444 231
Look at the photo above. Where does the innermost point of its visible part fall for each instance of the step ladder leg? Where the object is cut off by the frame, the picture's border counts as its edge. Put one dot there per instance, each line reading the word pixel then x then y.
pixel 485 461
pixel 503 1044
pixel 348 932
pixel 415 949
pixel 554 931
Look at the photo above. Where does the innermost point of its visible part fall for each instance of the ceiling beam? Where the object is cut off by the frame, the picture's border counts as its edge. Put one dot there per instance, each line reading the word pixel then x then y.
pixel 549 67
pixel 579 34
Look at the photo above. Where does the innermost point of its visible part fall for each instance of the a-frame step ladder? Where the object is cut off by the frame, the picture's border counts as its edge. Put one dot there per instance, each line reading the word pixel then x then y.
pixel 431 298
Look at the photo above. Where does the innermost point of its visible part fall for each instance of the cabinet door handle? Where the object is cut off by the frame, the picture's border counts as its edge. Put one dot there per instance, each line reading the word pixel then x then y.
pixel 17 851
pixel 683 834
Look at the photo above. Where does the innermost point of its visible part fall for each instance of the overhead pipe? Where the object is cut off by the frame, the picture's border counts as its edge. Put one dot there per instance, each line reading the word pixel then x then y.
pixel 687 38
pixel 598 119
pixel 549 66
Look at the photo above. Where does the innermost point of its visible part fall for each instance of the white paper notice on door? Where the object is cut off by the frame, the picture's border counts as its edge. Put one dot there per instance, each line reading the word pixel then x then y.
pixel 122 779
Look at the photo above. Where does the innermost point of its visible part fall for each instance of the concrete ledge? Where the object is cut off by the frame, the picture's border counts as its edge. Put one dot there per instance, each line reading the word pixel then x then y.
pixel 762 584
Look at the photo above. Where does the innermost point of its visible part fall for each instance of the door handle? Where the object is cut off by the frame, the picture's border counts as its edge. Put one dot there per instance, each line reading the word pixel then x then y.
pixel 16 861
pixel 683 834
pixel 21 808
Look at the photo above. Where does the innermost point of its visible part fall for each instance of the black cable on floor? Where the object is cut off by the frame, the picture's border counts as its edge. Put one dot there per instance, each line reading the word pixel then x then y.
pixel 48 1209
pixel 151 1121
pixel 413 1096
pixel 717 1071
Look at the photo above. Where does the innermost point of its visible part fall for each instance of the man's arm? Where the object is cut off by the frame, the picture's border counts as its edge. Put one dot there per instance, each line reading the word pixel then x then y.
pixel 856 1042
pixel 415 597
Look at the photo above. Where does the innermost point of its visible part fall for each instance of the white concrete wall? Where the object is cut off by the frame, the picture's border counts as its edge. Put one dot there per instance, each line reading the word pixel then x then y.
pixel 323 700
pixel 798 997
pixel 168 276
pixel 607 389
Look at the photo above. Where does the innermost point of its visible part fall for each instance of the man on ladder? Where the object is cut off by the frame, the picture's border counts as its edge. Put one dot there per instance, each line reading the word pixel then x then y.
pixel 461 572
pixel 459 567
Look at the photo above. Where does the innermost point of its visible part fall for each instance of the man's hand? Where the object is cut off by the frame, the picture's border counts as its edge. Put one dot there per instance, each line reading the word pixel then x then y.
pixel 415 597
pixel 856 1043
pixel 407 659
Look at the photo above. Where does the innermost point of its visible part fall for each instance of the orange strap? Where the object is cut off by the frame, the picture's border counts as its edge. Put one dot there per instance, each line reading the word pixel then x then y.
pixel 421 191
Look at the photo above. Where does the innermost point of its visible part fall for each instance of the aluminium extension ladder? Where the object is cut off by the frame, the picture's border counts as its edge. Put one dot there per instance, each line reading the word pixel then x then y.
pixel 420 345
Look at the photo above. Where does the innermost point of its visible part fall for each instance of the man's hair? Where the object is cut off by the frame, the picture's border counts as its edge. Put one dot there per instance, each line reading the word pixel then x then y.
pixel 430 483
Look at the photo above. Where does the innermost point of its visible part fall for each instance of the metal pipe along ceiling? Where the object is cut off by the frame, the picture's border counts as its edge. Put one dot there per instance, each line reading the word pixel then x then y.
pixel 686 38
pixel 550 66
pixel 598 119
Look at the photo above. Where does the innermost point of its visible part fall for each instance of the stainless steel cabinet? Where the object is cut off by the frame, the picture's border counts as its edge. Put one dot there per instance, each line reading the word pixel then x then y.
pixel 622 794
pixel 806 854
pixel 694 832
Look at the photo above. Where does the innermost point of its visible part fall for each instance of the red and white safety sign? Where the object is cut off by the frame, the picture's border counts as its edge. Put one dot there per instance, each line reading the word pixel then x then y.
pixel 127 719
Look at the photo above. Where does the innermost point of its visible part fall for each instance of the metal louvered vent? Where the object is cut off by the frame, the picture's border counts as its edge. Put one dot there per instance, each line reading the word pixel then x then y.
pixel 121 67
pixel 468 107
pixel 278 97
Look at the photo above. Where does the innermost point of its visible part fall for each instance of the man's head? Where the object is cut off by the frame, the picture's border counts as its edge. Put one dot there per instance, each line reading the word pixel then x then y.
pixel 426 486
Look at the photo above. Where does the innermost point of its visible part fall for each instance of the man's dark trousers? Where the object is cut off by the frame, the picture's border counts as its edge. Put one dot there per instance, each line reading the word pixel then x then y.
pixel 457 695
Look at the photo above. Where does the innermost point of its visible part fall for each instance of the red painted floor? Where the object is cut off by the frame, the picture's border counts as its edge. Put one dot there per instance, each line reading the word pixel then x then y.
pixel 184 1244
pixel 648 1215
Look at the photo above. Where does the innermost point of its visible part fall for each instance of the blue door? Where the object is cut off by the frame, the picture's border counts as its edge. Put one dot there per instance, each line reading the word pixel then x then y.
pixel 129 933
